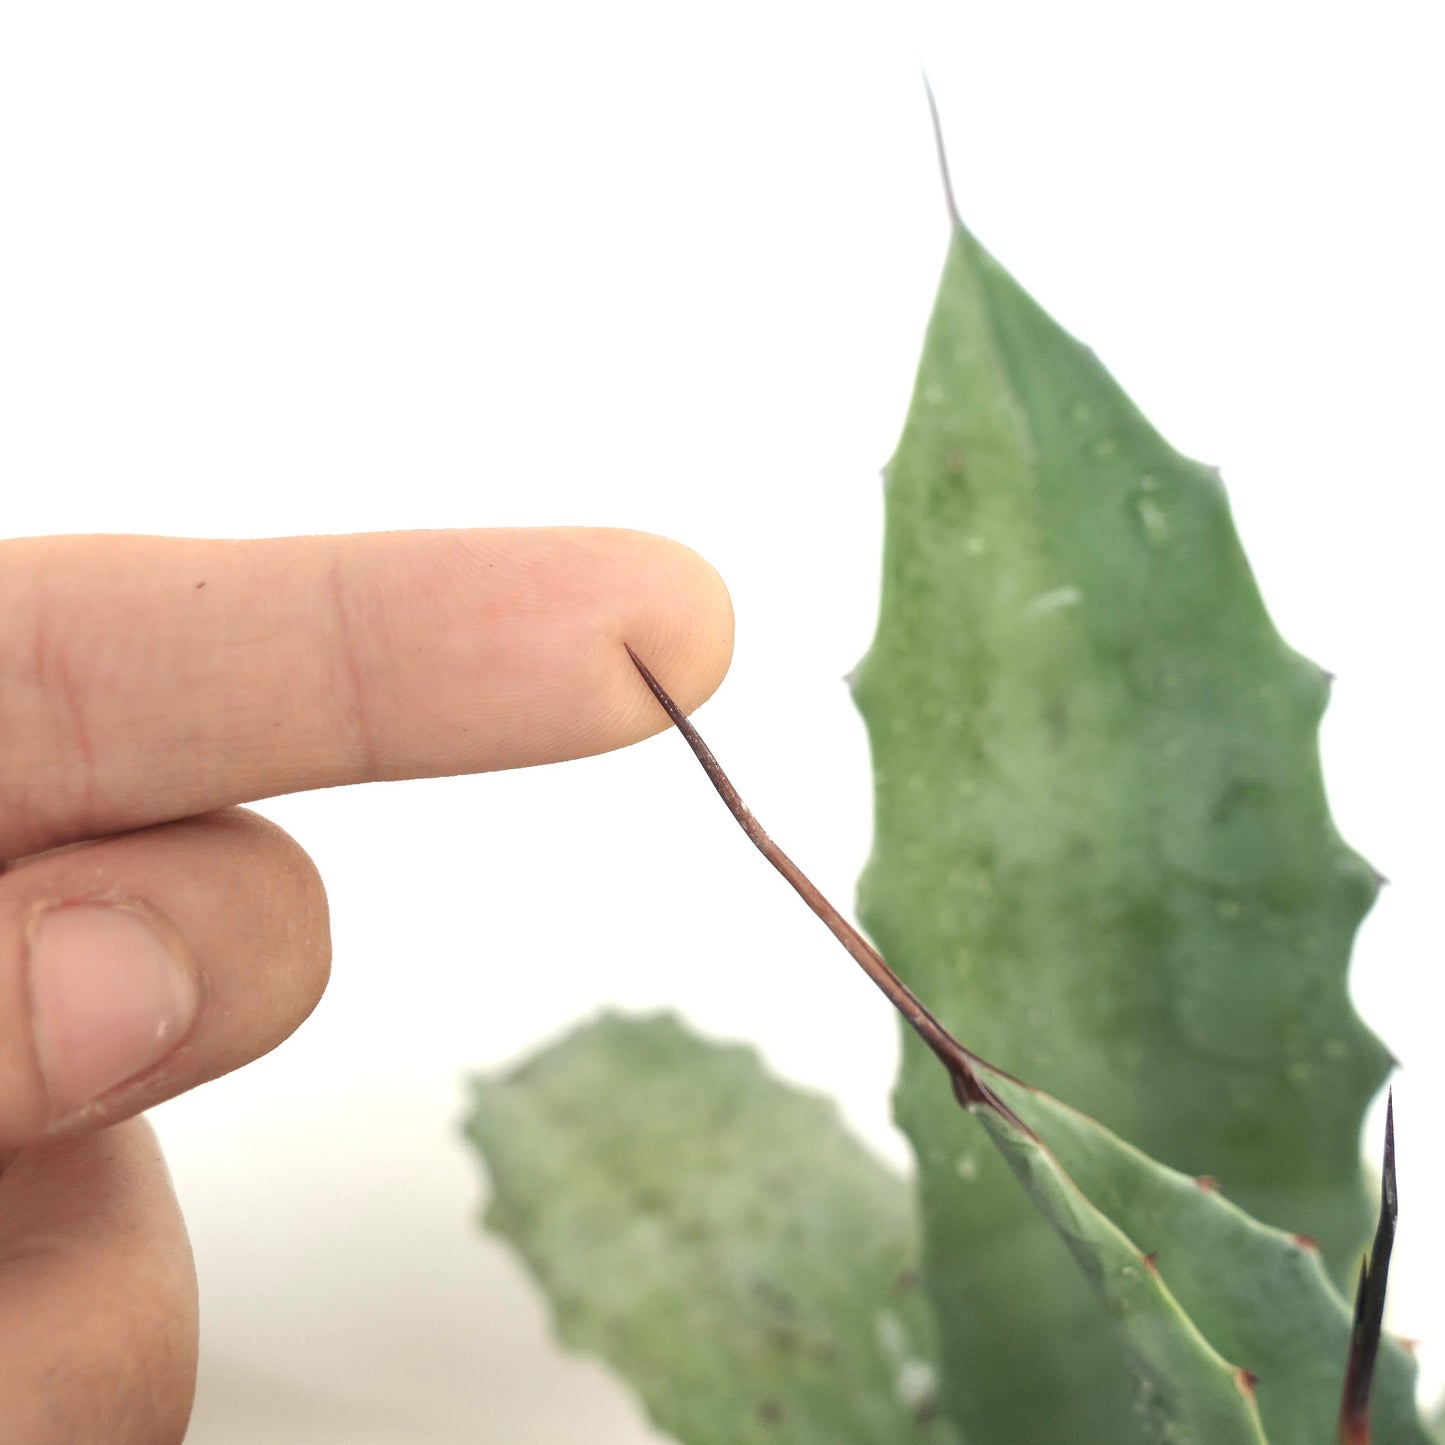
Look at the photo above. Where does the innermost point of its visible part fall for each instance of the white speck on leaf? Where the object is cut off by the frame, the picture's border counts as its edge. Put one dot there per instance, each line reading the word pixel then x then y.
pixel 892 1337
pixel 1053 601
pixel 917 1383
pixel 1156 524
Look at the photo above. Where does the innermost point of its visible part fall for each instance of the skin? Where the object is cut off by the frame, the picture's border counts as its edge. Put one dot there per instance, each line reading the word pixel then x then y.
pixel 147 686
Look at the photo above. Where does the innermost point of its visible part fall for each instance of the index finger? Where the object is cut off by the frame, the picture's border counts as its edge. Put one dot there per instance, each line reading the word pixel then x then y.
pixel 149 678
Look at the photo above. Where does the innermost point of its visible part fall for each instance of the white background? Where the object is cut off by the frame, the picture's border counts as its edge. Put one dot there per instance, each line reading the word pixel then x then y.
pixel 278 268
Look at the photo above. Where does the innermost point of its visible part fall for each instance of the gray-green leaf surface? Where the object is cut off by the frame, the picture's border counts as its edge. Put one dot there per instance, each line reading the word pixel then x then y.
pixel 1102 851
pixel 715 1235
pixel 1232 1330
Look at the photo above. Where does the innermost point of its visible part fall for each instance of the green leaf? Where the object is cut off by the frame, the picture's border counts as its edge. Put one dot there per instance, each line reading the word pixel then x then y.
pixel 1259 1293
pixel 1219 1313
pixel 714 1235
pixel 1102 849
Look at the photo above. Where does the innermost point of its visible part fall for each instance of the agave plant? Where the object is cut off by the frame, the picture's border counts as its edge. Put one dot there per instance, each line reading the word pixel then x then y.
pixel 1103 863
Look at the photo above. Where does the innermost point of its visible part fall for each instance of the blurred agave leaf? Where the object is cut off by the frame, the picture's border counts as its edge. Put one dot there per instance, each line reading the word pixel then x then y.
pixel 715 1235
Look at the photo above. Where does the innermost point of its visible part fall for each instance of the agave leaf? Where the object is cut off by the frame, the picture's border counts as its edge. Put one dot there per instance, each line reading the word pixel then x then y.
pixel 1102 848
pixel 1169 1255
pixel 713 1234
pixel 1261 1293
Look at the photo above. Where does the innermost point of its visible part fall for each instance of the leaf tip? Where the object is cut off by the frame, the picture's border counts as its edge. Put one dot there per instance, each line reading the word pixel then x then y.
pixel 949 198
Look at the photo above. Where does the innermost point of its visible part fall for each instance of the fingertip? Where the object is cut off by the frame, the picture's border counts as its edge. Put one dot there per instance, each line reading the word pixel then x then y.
pixel 688 632
pixel 680 623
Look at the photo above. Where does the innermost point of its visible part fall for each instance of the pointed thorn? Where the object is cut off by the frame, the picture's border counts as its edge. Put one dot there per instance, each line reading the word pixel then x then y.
pixel 948 195
pixel 1151 1262
pixel 1246 1380
pixel 965 1069
pixel 1389 1185
pixel 1307 1241
pixel 1208 1183
pixel 1370 1301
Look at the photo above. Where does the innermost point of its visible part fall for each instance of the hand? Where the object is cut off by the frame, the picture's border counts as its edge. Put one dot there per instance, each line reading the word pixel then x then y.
pixel 149 942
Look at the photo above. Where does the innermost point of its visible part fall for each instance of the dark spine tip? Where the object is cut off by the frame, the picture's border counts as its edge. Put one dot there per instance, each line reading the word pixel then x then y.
pixel 1246 1380
pixel 1389 1185
pixel 1368 1325
pixel 1207 1182
pixel 1151 1262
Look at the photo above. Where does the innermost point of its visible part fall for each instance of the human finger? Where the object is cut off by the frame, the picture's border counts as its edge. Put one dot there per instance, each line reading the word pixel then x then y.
pixel 98 1323
pixel 145 678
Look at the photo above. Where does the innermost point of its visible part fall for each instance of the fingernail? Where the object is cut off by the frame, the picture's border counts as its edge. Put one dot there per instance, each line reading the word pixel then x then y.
pixel 110 996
